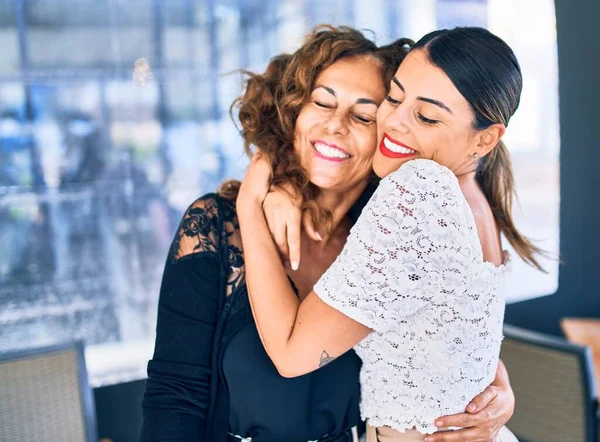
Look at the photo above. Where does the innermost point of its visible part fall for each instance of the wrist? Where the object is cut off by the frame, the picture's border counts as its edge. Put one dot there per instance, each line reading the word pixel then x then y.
pixel 248 203
pixel 502 380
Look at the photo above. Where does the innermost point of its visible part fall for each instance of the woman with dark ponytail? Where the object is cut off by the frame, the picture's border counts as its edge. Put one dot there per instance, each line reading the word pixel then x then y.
pixel 417 287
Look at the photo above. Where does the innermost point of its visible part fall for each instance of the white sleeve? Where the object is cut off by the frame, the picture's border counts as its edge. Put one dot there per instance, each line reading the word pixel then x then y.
pixel 412 244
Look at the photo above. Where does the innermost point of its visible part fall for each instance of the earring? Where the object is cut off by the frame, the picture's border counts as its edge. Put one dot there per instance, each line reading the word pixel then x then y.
pixel 476 155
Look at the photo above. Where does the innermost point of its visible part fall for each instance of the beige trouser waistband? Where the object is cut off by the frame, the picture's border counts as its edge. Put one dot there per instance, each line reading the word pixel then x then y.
pixel 387 434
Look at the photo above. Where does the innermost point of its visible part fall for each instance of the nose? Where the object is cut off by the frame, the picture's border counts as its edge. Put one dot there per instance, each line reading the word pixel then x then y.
pixel 336 124
pixel 397 120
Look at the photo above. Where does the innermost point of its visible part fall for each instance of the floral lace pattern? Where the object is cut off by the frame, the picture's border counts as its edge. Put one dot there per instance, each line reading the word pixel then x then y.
pixel 235 256
pixel 207 222
pixel 413 271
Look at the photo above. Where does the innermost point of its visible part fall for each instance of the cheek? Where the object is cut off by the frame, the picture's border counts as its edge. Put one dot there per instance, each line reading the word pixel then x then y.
pixel 298 145
pixel 448 148
pixel 302 123
pixel 302 130
pixel 453 144
pixel 382 114
pixel 434 142
pixel 308 120
pixel 367 142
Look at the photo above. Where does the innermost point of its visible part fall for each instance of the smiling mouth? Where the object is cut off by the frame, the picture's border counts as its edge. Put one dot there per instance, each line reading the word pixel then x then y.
pixel 330 152
pixel 395 149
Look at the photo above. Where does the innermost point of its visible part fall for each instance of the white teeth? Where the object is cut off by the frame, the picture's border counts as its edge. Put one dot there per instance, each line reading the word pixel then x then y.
pixel 330 152
pixel 397 148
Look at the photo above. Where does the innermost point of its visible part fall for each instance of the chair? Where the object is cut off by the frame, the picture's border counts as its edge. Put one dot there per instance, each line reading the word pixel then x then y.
pixel 554 388
pixel 45 396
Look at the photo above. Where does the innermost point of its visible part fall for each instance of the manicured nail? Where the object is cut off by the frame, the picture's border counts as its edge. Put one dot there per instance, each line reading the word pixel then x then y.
pixel 429 439
pixel 319 236
pixel 294 265
pixel 439 423
pixel 471 407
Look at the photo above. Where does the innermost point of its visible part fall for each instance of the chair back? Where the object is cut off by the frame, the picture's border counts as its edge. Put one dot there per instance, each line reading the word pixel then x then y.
pixel 554 387
pixel 45 395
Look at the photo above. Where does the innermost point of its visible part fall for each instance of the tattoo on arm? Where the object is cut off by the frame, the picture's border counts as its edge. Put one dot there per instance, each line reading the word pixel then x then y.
pixel 325 359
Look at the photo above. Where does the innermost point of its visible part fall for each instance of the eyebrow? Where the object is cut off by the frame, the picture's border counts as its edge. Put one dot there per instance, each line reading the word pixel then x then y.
pixel 359 101
pixel 436 102
pixel 397 83
pixel 328 89
pixel 366 101
pixel 425 99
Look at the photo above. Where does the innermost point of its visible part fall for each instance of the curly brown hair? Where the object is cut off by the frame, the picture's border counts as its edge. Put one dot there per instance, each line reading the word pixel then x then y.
pixel 272 101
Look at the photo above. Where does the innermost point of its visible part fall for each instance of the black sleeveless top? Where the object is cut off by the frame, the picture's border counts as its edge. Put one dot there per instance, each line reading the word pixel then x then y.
pixel 210 374
pixel 270 408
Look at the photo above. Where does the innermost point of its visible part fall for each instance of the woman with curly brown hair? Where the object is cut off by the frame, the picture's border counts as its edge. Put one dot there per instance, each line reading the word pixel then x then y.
pixel 210 378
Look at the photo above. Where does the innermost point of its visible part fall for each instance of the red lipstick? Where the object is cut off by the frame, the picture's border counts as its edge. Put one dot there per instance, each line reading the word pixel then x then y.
pixel 390 154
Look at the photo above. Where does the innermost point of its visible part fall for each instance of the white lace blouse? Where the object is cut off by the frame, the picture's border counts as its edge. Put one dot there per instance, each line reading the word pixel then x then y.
pixel 412 270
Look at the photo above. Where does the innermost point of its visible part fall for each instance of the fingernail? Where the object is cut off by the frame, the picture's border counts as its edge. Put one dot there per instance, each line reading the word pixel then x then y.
pixel 439 424
pixel 294 265
pixel 471 407
pixel 429 439
pixel 319 236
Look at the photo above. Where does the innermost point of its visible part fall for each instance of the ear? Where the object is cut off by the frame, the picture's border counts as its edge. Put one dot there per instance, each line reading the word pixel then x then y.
pixel 489 138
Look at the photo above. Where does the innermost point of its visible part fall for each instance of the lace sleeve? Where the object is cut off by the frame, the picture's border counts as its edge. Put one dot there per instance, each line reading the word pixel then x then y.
pixel 177 393
pixel 411 244
pixel 198 231
pixel 206 222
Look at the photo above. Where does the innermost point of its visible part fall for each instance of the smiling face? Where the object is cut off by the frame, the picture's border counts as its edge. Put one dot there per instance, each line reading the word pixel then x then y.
pixel 336 133
pixel 425 116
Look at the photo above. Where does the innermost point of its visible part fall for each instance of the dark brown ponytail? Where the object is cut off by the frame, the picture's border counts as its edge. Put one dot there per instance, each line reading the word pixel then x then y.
pixel 495 177
pixel 486 72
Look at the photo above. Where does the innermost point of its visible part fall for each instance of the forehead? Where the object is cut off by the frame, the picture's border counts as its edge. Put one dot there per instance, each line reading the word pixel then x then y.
pixel 421 78
pixel 361 76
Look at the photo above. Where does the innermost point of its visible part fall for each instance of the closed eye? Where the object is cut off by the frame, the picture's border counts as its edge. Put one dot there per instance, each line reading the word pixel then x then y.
pixel 392 101
pixel 324 105
pixel 364 120
pixel 427 120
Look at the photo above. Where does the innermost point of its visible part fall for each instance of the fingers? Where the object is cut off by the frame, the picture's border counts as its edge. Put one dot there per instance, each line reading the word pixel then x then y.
pixel 293 241
pixel 309 227
pixel 466 435
pixel 278 230
pixel 484 419
pixel 285 227
pixel 483 399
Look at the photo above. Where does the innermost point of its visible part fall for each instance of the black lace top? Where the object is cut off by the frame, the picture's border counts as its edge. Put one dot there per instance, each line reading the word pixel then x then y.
pixel 210 374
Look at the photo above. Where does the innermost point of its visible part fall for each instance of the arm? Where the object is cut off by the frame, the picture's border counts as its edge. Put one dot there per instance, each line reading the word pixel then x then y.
pixel 371 285
pixel 177 390
pixel 298 337
pixel 480 423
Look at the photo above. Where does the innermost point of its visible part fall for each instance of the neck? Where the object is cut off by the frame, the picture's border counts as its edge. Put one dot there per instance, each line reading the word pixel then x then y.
pixel 470 187
pixel 467 178
pixel 338 203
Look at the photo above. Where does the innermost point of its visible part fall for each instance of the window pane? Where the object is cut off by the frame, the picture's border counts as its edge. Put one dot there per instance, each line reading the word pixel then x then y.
pixel 114 117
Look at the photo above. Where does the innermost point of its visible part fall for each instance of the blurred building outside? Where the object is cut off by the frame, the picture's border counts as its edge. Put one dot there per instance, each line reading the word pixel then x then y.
pixel 114 117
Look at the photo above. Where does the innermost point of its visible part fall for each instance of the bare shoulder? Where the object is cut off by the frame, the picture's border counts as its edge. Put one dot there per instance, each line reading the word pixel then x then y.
pixel 487 229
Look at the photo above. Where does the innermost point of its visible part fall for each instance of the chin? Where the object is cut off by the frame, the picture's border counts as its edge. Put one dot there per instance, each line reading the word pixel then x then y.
pixel 384 166
pixel 377 169
pixel 323 182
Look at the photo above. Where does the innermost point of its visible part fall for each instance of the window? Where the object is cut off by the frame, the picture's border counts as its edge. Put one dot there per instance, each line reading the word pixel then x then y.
pixel 114 117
